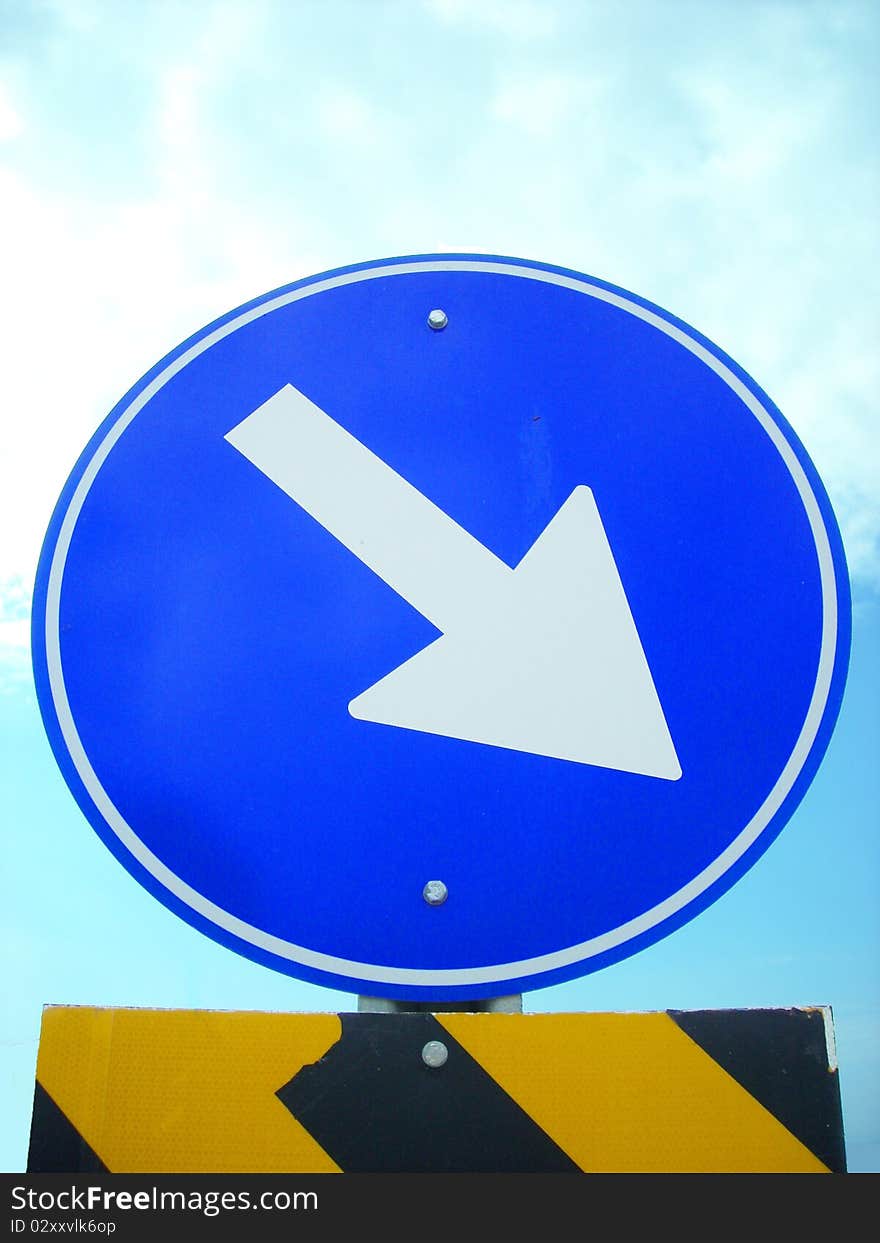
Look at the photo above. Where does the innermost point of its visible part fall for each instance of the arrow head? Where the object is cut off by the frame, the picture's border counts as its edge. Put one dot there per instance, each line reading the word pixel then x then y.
pixel 549 662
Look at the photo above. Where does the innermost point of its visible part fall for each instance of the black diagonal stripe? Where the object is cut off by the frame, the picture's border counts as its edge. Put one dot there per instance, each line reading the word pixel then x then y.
pixel 374 1106
pixel 780 1058
pixel 56 1146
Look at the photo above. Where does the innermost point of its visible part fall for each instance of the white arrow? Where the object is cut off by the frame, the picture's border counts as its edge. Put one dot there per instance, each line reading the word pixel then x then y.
pixel 543 658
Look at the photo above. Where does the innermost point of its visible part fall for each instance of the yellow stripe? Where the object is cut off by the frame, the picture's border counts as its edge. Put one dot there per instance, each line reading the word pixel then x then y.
pixel 187 1091
pixel 629 1093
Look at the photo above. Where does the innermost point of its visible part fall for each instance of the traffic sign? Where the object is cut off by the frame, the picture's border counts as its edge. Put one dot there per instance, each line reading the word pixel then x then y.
pixel 199 1091
pixel 441 627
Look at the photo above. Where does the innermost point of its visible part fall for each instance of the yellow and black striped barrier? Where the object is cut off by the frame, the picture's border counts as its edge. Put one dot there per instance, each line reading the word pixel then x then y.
pixel 192 1091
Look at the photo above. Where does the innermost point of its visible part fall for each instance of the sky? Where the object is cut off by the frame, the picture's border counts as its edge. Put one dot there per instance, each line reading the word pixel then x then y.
pixel 162 163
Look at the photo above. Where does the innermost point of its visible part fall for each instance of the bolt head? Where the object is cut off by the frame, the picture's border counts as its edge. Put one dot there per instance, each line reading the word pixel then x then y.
pixel 435 893
pixel 434 1054
pixel 437 320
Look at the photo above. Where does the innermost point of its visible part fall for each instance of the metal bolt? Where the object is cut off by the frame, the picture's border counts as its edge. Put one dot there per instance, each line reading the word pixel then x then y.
pixel 437 319
pixel 435 893
pixel 435 1054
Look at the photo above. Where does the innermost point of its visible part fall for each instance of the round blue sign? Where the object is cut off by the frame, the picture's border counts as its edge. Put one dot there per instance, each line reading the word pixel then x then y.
pixel 441 627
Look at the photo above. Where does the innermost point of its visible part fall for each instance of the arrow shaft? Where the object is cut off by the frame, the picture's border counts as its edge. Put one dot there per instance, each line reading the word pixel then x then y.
pixel 416 548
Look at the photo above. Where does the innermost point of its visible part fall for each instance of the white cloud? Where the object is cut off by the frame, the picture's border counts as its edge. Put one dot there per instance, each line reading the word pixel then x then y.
pixel 831 393
pixel 539 105
pixel 520 19
pixel 78 15
pixel 15 667
pixel 350 120
pixel 11 123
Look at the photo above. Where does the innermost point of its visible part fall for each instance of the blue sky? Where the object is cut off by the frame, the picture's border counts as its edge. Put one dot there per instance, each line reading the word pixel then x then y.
pixel 162 163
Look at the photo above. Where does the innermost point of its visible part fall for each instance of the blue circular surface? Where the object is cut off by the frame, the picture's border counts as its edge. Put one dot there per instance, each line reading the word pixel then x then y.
pixel 198 635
